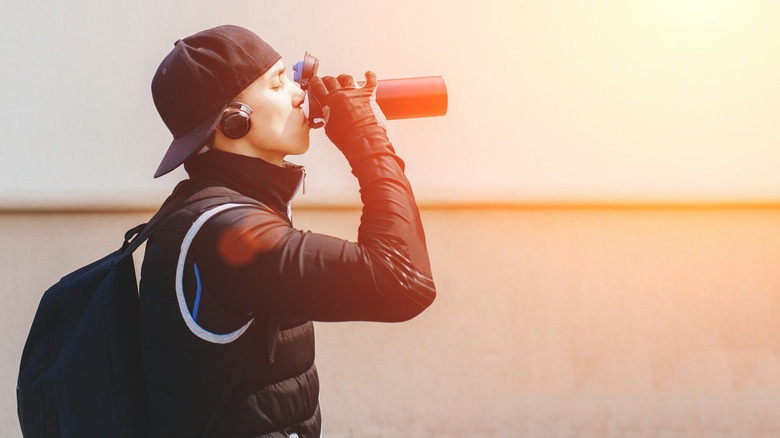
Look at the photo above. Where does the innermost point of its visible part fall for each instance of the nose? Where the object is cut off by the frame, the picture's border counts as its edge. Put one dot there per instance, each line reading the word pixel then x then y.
pixel 298 95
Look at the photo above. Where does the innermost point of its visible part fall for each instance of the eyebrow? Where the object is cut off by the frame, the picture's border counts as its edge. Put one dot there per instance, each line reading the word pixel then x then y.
pixel 276 71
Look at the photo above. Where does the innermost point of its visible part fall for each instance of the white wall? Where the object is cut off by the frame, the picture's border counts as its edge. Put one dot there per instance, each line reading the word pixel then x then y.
pixel 555 101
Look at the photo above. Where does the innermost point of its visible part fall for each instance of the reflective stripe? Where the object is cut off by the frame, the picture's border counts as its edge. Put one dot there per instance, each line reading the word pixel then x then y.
pixel 185 247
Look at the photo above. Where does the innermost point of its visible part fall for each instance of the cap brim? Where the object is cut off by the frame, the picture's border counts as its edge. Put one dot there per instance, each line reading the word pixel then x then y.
pixel 182 147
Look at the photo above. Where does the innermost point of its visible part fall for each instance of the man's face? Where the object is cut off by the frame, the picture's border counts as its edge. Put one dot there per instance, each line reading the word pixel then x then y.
pixel 278 125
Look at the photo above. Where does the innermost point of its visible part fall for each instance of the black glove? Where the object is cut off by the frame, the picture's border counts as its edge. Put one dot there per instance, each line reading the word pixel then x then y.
pixel 348 110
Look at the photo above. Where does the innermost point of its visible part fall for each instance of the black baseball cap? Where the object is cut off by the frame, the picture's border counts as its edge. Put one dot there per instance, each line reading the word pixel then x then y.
pixel 198 78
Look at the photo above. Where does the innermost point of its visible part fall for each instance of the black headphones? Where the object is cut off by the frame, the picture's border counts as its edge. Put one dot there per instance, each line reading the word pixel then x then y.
pixel 235 122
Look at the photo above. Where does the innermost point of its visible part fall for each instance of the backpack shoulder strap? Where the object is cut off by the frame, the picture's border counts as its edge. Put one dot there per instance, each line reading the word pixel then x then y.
pixel 185 193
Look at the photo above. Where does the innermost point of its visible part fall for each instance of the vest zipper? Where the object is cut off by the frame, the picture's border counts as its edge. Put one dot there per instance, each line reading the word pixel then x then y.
pixel 302 187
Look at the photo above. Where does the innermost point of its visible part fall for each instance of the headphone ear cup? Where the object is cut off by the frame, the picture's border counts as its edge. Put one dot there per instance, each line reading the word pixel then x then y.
pixel 235 123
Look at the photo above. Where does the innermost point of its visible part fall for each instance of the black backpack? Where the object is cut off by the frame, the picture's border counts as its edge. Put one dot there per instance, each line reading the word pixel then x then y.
pixel 81 373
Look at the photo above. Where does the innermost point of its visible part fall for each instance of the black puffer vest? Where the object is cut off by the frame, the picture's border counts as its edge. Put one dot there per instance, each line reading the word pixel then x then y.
pixel 275 393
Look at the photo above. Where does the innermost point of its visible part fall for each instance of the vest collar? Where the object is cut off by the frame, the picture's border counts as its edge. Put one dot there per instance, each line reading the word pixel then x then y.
pixel 270 184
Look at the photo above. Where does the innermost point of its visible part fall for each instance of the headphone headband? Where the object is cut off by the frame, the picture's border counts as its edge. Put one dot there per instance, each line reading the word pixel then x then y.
pixel 240 106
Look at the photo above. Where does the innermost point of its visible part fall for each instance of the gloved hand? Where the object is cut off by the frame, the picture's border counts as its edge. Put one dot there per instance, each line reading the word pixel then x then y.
pixel 347 108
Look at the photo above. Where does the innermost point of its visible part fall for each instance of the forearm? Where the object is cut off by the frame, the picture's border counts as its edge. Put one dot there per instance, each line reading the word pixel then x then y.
pixel 390 212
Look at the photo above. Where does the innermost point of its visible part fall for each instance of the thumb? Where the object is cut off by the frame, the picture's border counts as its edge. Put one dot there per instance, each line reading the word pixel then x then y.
pixel 318 89
pixel 370 81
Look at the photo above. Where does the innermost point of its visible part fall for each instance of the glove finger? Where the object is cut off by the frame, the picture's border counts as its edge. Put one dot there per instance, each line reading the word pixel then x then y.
pixel 370 80
pixel 331 83
pixel 317 89
pixel 347 81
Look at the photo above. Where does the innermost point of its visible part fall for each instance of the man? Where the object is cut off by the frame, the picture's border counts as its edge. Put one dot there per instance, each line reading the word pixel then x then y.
pixel 228 293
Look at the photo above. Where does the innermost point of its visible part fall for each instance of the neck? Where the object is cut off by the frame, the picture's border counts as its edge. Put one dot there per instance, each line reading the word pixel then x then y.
pixel 245 148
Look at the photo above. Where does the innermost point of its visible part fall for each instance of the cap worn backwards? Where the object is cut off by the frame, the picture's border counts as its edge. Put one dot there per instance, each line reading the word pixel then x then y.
pixel 198 78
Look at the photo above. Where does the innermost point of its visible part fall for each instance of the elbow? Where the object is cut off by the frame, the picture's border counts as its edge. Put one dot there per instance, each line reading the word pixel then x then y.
pixel 406 289
pixel 410 302
pixel 421 305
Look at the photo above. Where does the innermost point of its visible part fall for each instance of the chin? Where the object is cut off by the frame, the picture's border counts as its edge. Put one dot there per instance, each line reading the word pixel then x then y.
pixel 301 150
pixel 303 145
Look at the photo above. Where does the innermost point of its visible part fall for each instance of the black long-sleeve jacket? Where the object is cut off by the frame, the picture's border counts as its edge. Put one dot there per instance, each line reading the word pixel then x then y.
pixel 248 266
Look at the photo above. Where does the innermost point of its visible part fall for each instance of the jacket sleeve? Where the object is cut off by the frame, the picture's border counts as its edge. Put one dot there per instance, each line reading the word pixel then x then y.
pixel 257 262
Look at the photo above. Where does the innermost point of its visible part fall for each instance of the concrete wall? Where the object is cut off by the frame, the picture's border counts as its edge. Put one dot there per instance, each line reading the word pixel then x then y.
pixel 551 322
